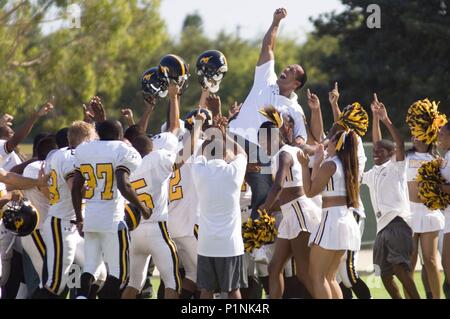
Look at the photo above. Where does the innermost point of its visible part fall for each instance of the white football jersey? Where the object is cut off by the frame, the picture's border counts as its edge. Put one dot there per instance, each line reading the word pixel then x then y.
pixel 36 197
pixel 184 208
pixel 2 190
pixel 98 161
pixel 61 166
pixel 150 181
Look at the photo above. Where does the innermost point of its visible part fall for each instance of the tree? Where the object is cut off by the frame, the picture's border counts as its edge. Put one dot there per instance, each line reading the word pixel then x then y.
pixel 404 60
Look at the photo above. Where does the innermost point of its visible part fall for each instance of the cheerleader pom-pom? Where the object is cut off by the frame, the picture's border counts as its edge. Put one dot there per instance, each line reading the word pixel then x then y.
pixel 354 117
pixel 258 232
pixel 430 180
pixel 425 121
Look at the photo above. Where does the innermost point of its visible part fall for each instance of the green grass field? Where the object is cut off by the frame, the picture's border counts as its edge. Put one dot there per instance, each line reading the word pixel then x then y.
pixel 376 286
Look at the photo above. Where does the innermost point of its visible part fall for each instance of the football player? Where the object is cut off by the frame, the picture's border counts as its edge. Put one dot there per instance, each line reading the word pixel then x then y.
pixel 151 182
pixel 64 244
pixel 105 165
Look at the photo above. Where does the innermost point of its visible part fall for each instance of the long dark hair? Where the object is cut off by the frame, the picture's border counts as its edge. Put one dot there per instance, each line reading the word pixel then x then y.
pixel 348 155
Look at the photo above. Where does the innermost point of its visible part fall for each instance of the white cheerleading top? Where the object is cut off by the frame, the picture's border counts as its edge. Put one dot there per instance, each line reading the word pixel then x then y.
pixel 413 162
pixel 294 176
pixel 336 184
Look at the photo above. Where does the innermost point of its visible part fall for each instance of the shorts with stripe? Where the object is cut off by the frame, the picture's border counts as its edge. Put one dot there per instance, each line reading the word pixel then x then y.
pixel 153 239
pixel 64 247
pixel 7 241
pixel 34 246
pixel 187 251
pixel 338 230
pixel 347 273
pixel 299 215
pixel 111 248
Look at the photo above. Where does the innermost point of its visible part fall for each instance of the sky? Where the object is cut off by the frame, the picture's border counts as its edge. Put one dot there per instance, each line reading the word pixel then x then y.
pixel 252 16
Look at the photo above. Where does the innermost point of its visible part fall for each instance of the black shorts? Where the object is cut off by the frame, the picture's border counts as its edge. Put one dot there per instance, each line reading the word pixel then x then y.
pixel 221 274
pixel 393 246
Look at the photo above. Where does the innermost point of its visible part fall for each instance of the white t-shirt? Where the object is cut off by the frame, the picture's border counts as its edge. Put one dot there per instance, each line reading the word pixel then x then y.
pixel 219 186
pixel 150 181
pixel 388 192
pixel 61 165
pixel 98 161
pixel 264 92
pixel 37 199
pixel 8 160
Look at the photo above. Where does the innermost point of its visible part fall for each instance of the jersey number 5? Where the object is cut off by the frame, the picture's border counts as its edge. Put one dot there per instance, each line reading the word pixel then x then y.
pixel 145 198
pixel 91 175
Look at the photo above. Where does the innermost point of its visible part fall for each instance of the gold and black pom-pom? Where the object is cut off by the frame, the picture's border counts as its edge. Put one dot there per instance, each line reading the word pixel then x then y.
pixel 259 231
pixel 430 181
pixel 272 115
pixel 354 117
pixel 424 120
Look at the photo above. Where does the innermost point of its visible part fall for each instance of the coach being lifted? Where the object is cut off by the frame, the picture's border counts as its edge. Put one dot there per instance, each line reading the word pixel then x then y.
pixel 268 89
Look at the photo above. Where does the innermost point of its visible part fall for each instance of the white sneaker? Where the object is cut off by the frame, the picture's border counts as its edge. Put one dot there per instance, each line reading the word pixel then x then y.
pixel 81 297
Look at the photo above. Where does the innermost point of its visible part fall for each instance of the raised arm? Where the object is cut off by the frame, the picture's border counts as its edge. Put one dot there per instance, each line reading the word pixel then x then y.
pixel 316 116
pixel 268 45
pixel 399 144
pixel 376 130
pixel 190 141
pixel 173 124
pixel 203 97
pixel 145 118
pixel 333 97
pixel 25 129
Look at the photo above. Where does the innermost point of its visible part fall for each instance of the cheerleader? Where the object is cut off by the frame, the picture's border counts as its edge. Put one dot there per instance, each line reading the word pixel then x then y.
pixel 425 223
pixel 300 216
pixel 336 179
pixel 444 145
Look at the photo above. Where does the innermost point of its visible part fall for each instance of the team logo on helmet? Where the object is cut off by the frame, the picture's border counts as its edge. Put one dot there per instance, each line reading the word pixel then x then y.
pixel 205 59
pixel 19 223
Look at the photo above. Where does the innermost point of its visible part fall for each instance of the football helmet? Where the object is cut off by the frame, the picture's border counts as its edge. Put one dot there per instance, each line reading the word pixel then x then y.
pixel 20 217
pixel 132 216
pixel 174 68
pixel 190 117
pixel 211 68
pixel 153 83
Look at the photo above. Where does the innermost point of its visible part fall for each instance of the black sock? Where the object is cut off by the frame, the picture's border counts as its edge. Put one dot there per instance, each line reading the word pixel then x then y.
pixel 86 281
pixel 361 290
pixel 44 293
pixel 186 294
pixel 111 288
pixel 161 290
pixel 265 283
pixel 94 290
pixel 446 288
pixel 346 292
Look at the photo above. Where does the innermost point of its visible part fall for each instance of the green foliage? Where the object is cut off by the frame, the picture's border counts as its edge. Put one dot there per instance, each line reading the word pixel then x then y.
pixel 405 60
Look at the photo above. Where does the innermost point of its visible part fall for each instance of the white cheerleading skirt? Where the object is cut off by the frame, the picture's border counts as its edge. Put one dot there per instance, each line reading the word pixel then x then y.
pixel 338 230
pixel 300 214
pixel 447 220
pixel 425 220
